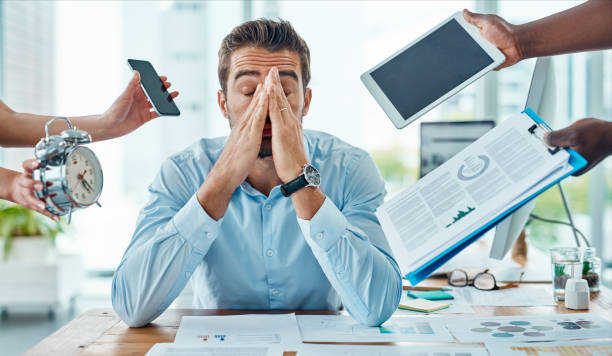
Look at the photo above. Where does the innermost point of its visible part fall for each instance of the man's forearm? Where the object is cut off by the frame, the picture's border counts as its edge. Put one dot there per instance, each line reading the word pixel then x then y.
pixel 216 192
pixel 307 202
pixel 367 280
pixel 582 28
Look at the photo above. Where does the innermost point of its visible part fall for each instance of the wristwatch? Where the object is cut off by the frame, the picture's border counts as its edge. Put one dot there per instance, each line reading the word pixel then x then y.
pixel 310 177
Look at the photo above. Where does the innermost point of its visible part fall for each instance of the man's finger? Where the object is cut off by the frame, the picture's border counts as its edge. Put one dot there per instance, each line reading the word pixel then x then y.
pixel 253 104
pixel 275 114
pixel 282 99
pixel 163 78
pixel 174 94
pixel 260 113
pixel 566 137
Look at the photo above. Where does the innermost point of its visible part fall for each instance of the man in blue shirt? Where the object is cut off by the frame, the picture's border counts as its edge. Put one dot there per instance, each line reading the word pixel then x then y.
pixel 271 217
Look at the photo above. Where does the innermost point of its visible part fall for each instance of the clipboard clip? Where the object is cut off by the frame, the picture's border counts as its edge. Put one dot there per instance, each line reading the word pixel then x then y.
pixel 539 134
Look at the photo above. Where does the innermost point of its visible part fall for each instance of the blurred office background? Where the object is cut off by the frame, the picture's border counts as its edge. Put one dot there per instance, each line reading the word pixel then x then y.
pixel 69 58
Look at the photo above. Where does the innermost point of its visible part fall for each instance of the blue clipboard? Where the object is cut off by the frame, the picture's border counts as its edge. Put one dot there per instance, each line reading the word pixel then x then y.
pixel 421 273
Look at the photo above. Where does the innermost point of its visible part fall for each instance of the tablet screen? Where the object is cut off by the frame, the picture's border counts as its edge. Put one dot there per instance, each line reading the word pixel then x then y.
pixel 430 68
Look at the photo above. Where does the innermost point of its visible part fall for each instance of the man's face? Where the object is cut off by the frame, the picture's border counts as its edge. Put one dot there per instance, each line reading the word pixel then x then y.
pixel 249 67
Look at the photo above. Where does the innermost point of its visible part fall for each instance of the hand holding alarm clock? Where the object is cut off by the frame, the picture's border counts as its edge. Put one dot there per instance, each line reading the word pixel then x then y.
pixel 70 173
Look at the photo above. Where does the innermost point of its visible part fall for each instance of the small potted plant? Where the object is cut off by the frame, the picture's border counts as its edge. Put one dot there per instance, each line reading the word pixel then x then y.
pixel 26 235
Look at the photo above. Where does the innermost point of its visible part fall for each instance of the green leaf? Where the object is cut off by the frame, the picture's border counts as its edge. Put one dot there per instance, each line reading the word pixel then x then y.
pixel 17 221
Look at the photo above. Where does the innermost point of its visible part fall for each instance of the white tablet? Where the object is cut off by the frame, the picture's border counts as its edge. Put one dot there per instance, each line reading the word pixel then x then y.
pixel 431 69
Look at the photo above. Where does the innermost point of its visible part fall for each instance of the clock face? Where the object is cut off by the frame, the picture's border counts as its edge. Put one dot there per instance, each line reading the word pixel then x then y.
pixel 83 175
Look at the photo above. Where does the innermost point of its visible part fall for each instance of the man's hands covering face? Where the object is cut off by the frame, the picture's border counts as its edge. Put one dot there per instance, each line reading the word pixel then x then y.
pixel 244 141
pixel 287 140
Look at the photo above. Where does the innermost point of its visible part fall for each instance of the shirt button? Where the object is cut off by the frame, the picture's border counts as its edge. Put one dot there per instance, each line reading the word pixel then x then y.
pixel 275 293
pixel 268 206
pixel 270 253
pixel 187 274
pixel 340 274
pixel 319 235
pixel 209 235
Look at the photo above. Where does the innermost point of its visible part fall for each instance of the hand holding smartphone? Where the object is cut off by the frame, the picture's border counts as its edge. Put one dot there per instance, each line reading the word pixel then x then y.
pixel 154 88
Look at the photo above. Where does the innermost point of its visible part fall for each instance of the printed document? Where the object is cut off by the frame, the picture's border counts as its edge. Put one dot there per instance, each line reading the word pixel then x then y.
pixel 341 328
pixel 396 350
pixel 496 172
pixel 565 348
pixel 169 349
pixel 513 297
pixel 236 330
pixel 529 328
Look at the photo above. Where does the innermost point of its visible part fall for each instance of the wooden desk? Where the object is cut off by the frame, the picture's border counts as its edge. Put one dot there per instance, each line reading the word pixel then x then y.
pixel 101 332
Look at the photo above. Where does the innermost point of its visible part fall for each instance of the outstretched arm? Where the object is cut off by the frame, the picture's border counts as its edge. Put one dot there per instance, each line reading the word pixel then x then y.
pixel 130 110
pixel 585 27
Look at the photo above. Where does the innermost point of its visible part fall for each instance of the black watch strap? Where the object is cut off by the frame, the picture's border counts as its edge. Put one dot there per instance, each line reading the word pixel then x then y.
pixel 293 186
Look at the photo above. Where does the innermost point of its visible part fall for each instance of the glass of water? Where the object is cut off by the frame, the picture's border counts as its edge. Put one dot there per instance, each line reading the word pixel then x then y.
pixel 566 264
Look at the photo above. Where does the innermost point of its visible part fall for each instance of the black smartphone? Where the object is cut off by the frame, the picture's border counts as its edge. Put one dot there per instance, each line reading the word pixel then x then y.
pixel 154 88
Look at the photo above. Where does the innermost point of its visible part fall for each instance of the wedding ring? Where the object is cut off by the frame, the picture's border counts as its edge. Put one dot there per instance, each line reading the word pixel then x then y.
pixel 284 109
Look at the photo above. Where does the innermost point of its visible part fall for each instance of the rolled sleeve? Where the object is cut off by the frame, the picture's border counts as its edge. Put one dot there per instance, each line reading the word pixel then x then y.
pixel 326 226
pixel 196 226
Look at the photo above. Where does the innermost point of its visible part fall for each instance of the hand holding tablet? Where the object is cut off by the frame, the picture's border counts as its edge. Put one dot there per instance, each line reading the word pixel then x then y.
pixel 431 69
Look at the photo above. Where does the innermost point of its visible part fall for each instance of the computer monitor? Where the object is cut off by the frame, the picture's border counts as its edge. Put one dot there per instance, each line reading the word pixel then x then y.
pixel 541 98
pixel 441 140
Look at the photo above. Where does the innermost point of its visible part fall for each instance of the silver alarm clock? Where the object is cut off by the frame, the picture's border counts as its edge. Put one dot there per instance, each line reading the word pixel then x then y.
pixel 71 174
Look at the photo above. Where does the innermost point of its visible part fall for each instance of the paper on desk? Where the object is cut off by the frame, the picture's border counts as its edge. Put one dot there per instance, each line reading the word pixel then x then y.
pixel 170 349
pixel 513 297
pixel 371 350
pixel 457 306
pixel 586 347
pixel 341 328
pixel 249 329
pixel 524 328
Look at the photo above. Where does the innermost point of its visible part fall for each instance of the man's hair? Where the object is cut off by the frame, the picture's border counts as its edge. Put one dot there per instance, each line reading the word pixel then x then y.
pixel 267 34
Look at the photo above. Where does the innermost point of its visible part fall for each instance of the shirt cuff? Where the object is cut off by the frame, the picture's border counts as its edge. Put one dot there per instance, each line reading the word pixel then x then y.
pixel 326 227
pixel 196 226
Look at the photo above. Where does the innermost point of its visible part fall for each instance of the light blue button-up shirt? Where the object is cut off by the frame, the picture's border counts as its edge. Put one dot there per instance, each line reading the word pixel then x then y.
pixel 260 255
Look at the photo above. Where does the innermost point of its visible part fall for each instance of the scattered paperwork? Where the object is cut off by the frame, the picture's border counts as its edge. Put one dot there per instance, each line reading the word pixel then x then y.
pixel 169 349
pixel 565 348
pixel 513 297
pixel 523 328
pixel 370 350
pixel 458 305
pixel 340 328
pixel 236 330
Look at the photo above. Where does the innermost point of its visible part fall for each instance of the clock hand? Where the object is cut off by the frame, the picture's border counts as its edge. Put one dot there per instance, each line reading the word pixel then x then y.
pixel 87 186
pixel 80 177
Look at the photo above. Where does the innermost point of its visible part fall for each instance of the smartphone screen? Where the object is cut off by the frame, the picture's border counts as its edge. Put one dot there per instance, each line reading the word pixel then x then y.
pixel 154 87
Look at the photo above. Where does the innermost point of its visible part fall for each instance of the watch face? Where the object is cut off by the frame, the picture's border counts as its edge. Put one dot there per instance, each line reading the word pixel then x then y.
pixel 312 176
pixel 83 175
